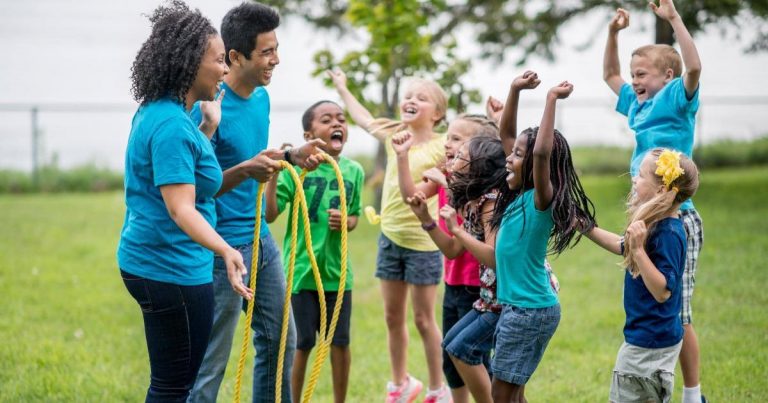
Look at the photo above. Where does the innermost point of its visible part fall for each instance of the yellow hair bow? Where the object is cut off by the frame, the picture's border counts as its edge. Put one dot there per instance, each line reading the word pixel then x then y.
pixel 668 167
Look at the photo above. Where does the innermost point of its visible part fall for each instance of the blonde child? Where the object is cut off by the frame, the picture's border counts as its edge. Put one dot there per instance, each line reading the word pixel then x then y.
pixel 654 249
pixel 324 120
pixel 462 270
pixel 541 206
pixel 661 106
pixel 407 257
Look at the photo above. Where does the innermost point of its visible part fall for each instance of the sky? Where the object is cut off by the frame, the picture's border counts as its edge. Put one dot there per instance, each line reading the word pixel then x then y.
pixel 65 52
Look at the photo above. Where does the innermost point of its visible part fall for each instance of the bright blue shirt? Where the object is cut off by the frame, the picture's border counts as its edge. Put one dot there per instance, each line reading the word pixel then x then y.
pixel 666 120
pixel 242 133
pixel 521 248
pixel 651 324
pixel 165 147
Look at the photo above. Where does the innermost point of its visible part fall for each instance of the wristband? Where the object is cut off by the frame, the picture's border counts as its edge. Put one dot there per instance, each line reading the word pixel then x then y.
pixel 429 227
pixel 287 156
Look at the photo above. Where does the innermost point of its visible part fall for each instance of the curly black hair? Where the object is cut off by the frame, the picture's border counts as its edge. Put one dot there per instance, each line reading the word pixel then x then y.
pixel 570 205
pixel 168 61
pixel 242 24
pixel 484 174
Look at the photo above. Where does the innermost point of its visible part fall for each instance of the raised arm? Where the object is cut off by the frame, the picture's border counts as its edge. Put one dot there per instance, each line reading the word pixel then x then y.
pixel 402 144
pixel 542 149
pixel 653 279
pixel 179 200
pixel 666 10
pixel 611 67
pixel 357 111
pixel 508 123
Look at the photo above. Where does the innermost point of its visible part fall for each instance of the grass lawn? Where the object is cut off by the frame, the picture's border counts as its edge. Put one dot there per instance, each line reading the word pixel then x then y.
pixel 71 332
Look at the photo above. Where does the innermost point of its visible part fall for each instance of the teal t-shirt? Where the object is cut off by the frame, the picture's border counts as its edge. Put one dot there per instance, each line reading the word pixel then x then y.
pixel 242 133
pixel 322 192
pixel 165 147
pixel 521 248
pixel 666 120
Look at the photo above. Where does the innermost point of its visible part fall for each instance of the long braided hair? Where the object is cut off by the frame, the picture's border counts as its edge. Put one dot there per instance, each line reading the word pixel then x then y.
pixel 167 63
pixel 570 204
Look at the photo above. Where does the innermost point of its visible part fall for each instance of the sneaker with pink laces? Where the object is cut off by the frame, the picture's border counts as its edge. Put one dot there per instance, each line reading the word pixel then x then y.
pixel 442 395
pixel 405 393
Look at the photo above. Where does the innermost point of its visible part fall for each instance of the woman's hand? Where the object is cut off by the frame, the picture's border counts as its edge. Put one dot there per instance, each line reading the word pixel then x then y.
pixel 211 114
pixel 236 271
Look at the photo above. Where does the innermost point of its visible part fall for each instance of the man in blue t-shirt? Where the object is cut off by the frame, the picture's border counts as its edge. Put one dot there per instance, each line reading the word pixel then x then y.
pixel 240 145
pixel 661 106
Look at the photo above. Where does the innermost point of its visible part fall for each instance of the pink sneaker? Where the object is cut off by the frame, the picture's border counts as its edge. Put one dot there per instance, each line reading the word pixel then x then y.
pixel 442 395
pixel 405 393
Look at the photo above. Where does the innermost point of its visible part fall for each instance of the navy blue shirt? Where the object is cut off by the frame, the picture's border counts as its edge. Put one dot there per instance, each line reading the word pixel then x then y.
pixel 165 147
pixel 651 324
pixel 242 133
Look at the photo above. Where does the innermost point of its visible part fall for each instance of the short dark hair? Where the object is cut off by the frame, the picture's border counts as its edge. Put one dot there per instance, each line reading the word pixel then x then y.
pixel 167 62
pixel 309 114
pixel 244 23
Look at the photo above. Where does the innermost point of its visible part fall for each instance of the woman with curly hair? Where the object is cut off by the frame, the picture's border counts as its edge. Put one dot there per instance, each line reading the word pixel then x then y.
pixel 171 175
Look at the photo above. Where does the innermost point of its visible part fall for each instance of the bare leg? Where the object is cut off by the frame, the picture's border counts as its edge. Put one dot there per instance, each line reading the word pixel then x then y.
pixel 341 358
pixel 298 372
pixel 460 395
pixel 504 392
pixel 689 357
pixel 424 299
pixel 395 298
pixel 476 378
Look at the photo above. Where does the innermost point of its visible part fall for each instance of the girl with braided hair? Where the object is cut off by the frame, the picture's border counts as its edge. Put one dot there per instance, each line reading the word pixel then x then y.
pixel 171 175
pixel 654 249
pixel 535 215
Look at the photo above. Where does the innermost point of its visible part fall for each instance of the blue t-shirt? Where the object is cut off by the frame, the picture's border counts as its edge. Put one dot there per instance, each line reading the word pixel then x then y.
pixel 666 120
pixel 242 133
pixel 165 147
pixel 521 248
pixel 651 324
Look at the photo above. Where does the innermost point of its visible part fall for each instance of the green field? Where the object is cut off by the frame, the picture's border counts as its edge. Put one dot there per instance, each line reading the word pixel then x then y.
pixel 71 332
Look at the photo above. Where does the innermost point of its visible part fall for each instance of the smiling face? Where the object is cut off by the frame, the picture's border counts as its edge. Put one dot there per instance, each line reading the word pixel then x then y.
pixel 211 72
pixel 459 131
pixel 515 162
pixel 330 125
pixel 460 162
pixel 419 106
pixel 646 184
pixel 647 78
pixel 263 59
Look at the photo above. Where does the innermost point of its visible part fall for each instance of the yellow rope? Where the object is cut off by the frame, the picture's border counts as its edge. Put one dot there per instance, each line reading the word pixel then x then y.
pixel 325 338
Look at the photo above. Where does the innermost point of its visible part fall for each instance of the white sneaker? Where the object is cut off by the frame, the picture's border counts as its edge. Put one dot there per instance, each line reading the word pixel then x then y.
pixel 442 395
pixel 405 393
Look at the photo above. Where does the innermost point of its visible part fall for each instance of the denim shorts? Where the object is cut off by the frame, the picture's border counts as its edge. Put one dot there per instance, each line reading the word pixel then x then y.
pixel 402 264
pixel 471 339
pixel 306 312
pixel 522 335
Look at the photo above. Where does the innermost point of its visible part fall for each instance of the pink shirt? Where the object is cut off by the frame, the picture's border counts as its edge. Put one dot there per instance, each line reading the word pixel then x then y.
pixel 465 269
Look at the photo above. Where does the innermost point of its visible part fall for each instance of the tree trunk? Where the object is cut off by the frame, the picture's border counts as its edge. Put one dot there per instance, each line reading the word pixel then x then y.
pixel 664 33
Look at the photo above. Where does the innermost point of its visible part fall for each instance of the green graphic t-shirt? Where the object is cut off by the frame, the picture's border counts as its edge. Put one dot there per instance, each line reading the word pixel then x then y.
pixel 322 192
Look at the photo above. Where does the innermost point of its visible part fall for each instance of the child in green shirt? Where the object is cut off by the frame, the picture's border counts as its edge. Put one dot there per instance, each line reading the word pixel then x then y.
pixel 324 120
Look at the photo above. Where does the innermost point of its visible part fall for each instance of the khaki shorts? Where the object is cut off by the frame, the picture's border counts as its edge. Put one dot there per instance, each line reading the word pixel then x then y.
pixel 644 374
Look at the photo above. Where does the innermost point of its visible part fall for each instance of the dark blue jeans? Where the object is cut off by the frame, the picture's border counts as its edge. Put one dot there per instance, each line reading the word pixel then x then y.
pixel 457 302
pixel 177 324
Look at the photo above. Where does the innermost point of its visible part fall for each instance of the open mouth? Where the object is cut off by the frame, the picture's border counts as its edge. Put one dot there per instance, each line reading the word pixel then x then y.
pixel 409 111
pixel 640 92
pixel 337 140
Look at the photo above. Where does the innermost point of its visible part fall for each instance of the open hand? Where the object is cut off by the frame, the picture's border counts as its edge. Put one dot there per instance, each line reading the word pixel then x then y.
pixel 338 78
pixel 308 155
pixel 236 271
pixel 562 90
pixel 665 10
pixel 528 81
pixel 619 21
